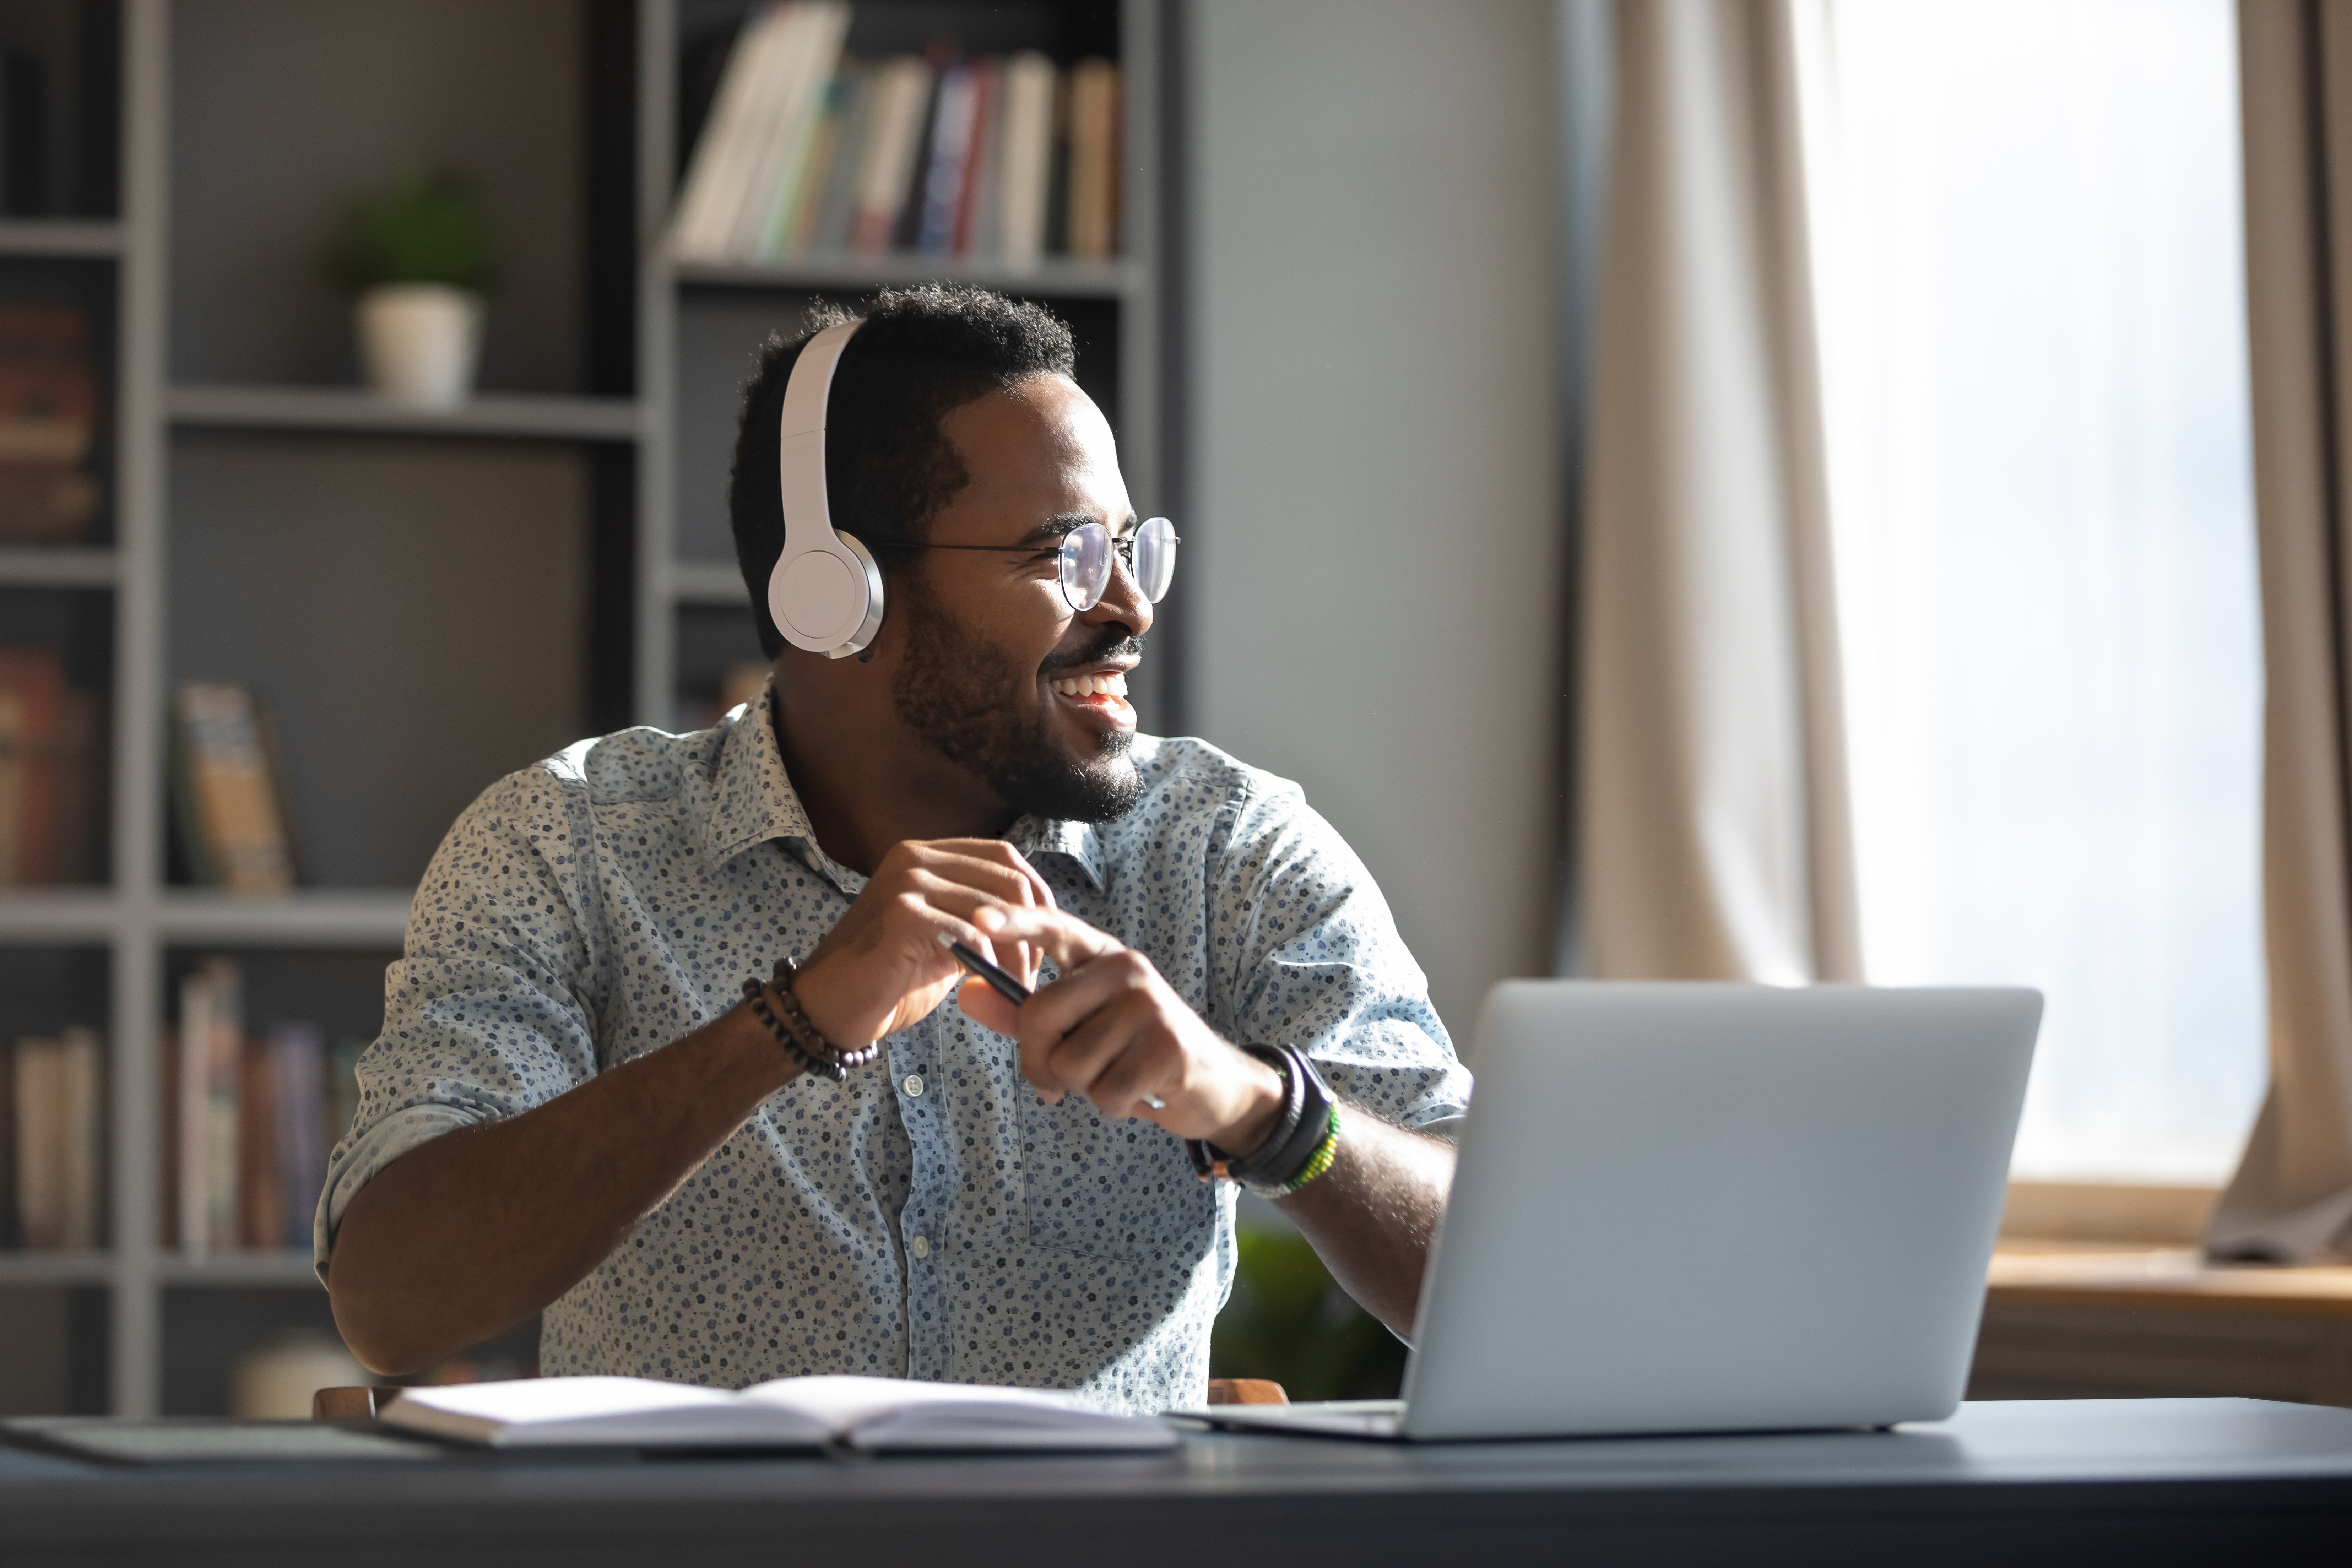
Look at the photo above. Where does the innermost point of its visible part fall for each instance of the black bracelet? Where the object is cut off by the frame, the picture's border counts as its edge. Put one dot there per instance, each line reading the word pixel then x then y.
pixel 1304 1124
pixel 756 992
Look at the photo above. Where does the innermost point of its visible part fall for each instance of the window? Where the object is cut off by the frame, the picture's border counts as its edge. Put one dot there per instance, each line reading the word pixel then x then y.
pixel 2027 243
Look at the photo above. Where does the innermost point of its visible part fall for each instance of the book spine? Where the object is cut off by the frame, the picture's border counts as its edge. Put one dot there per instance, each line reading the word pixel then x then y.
pixel 15 751
pixel 167 1138
pixel 799 224
pixel 80 794
pixel 297 1093
pixel 713 188
pixel 224 1071
pixel 194 1139
pixel 48 423
pixel 81 1141
pixel 906 223
pixel 1094 157
pixel 36 678
pixel 751 166
pixel 983 185
pixel 904 95
pixel 799 92
pixel 1027 162
pixel 40 1164
pixel 951 138
pixel 835 224
pixel 1058 176
pixel 239 820
pixel 261 1197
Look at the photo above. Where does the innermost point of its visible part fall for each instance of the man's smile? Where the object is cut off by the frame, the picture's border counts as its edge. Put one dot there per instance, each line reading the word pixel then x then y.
pixel 1101 694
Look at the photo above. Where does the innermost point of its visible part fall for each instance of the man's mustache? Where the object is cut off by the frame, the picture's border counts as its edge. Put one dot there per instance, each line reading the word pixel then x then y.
pixel 1115 644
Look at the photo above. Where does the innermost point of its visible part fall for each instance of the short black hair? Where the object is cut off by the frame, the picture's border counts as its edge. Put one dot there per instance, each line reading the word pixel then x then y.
pixel 923 352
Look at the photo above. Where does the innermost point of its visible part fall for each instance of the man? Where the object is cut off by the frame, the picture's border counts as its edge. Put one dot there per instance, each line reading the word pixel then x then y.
pixel 576 1109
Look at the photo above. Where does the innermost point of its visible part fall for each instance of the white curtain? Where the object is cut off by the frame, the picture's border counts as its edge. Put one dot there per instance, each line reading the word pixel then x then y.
pixel 1712 823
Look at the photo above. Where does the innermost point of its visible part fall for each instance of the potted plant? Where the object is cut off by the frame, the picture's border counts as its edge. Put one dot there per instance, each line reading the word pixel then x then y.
pixel 416 259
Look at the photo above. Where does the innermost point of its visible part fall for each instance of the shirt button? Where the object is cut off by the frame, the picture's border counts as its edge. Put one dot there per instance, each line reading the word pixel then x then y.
pixel 920 1247
pixel 913 1086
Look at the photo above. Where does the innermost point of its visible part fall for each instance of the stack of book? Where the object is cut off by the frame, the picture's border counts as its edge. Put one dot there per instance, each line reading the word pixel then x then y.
pixel 226 782
pixel 249 1121
pixel 49 423
pixel 53 1126
pixel 48 742
pixel 808 153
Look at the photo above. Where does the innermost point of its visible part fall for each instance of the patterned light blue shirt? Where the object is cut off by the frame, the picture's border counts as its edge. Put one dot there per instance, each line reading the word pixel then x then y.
pixel 936 1220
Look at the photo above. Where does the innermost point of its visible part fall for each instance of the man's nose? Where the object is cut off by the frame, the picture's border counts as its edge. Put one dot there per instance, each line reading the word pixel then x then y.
pixel 1122 603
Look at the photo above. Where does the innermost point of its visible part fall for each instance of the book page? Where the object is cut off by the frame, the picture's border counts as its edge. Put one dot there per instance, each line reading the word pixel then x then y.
pixel 602 1412
pixel 531 1400
pixel 890 1411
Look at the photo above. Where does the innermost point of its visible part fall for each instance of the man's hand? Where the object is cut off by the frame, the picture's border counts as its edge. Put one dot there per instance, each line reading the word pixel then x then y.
pixel 885 966
pixel 1111 1030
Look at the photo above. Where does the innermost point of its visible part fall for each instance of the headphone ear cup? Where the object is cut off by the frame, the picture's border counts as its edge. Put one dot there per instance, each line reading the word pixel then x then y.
pixel 827 601
pixel 871 625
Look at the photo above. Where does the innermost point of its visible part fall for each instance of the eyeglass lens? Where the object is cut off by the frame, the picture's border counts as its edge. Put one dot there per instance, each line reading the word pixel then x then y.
pixel 1087 555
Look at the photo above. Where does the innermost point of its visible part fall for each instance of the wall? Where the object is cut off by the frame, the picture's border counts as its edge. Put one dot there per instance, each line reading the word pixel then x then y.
pixel 1375 581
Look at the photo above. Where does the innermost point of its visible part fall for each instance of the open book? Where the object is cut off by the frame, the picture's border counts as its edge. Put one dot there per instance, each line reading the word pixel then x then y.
pixel 873 1413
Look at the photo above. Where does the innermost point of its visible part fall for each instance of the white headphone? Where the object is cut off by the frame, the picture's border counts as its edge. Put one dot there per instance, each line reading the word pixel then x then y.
pixel 825 593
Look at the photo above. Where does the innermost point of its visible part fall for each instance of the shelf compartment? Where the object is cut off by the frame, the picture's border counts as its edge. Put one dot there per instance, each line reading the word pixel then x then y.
pixel 1059 278
pixel 56 566
pixel 348 409
pixel 59 237
pixel 309 917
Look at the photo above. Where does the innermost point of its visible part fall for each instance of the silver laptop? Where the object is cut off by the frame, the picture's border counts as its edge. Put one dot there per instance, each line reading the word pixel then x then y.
pixel 1706 1209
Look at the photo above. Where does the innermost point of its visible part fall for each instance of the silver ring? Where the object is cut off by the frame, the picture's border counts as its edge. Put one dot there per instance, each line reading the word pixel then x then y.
pixel 1154 1102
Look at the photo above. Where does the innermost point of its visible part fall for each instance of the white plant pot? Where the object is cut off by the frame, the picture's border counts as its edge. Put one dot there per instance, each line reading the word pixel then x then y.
pixel 421 343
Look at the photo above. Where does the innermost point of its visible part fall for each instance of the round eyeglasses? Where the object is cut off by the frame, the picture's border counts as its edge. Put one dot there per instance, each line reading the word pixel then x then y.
pixel 1088 552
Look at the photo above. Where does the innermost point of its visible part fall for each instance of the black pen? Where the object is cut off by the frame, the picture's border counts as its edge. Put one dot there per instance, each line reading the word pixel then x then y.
pixel 1001 983
pixel 1012 990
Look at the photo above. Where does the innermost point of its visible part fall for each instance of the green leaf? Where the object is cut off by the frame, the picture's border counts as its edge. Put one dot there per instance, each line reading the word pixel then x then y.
pixel 429 226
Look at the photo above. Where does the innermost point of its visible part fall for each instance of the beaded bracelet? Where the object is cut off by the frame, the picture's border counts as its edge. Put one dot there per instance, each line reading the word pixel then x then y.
pixel 1320 1161
pixel 817 1056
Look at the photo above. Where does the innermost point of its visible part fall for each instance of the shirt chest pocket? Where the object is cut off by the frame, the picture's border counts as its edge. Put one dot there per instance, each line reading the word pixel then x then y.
pixel 1116 1189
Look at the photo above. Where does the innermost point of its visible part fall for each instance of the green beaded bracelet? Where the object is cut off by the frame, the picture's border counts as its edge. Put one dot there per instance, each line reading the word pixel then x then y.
pixel 1320 1161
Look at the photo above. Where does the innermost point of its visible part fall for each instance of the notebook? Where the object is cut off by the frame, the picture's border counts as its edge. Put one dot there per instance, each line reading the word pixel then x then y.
pixel 875 1413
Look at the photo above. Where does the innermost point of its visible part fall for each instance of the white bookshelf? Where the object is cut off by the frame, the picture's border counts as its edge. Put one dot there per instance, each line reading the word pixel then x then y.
pixel 138 919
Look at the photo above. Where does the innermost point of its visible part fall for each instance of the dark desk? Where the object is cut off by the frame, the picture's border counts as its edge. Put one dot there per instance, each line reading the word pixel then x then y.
pixel 2167 1480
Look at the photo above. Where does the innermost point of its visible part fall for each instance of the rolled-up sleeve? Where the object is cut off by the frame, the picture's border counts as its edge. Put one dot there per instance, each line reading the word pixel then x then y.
pixel 1304 952
pixel 490 1010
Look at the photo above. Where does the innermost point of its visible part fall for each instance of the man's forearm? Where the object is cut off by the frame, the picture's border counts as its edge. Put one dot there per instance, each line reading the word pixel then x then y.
pixel 476 1230
pixel 1372 1214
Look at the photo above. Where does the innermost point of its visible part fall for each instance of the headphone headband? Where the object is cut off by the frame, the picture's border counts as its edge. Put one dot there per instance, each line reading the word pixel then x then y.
pixel 825 593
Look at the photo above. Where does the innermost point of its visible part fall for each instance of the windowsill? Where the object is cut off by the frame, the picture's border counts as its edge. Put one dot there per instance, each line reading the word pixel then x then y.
pixel 2115 1275
pixel 2107 1213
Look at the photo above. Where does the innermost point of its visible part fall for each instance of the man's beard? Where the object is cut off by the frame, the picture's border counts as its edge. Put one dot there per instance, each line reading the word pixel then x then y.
pixel 953 691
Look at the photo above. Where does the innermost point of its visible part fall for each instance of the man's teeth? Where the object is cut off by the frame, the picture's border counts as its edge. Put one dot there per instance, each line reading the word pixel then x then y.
pixel 1111 685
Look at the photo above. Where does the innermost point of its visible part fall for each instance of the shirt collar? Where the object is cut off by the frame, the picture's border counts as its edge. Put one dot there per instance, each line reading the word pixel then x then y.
pixel 1077 841
pixel 752 801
